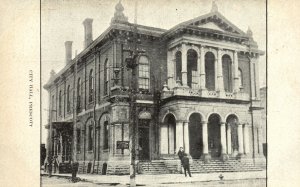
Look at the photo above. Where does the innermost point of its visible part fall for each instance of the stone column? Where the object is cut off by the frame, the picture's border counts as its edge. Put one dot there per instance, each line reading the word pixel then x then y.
pixel 202 69
pixel 240 139
pixel 252 79
pixel 224 156
pixel 229 139
pixel 220 72
pixel 186 138
pixel 164 138
pixel 260 146
pixel 169 69
pixel 184 64
pixel 206 156
pixel 246 139
pixel 257 79
pixel 236 72
pixel 179 135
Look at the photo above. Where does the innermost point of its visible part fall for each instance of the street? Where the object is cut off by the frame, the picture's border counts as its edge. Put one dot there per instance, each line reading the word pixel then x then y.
pixel 65 182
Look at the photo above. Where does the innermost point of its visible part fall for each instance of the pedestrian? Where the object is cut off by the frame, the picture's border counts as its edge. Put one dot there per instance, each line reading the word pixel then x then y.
pixel 186 164
pixel 180 153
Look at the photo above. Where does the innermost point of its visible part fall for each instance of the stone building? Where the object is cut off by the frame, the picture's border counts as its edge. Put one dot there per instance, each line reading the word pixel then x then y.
pixel 198 89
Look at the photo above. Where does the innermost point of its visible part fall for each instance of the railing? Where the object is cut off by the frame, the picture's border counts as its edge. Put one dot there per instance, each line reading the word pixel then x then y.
pixel 186 91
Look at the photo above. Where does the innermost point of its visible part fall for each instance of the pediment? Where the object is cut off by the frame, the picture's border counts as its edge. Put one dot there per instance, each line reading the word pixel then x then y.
pixel 211 25
pixel 215 21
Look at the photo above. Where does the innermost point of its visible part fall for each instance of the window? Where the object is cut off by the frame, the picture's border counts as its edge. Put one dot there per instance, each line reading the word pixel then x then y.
pixel 90 137
pixel 106 77
pixel 78 139
pixel 240 75
pixel 227 73
pixel 79 94
pixel 91 86
pixel 105 146
pixel 144 73
pixel 178 66
pixel 68 99
pixel 59 104
pixel 210 71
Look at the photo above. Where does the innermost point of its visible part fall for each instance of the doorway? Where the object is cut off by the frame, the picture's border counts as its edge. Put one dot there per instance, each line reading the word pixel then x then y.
pixel 143 145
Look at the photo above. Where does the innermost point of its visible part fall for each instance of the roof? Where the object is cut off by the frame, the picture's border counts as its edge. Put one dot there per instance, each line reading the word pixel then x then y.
pixel 226 28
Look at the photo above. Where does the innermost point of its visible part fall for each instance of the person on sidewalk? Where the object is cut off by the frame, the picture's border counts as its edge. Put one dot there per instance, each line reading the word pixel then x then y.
pixel 186 164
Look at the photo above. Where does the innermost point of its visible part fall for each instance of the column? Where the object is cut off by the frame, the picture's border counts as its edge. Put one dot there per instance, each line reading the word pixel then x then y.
pixel 169 69
pixel 186 137
pixel 184 64
pixel 240 139
pixel 220 72
pixel 179 135
pixel 198 69
pixel 202 69
pixel 206 156
pixel 229 139
pixel 236 72
pixel 260 146
pixel 246 139
pixel 171 143
pixel 252 75
pixel 164 139
pixel 256 69
pixel 223 141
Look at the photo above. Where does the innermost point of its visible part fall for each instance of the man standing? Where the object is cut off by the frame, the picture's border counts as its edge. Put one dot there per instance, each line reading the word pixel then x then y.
pixel 180 154
pixel 186 164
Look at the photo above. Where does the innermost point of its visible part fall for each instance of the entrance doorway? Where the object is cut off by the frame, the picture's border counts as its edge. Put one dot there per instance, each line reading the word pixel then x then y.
pixel 195 136
pixel 143 140
pixel 214 135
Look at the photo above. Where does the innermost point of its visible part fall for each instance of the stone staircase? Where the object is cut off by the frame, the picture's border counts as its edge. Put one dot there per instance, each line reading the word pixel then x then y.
pixel 118 169
pixel 231 165
pixel 153 167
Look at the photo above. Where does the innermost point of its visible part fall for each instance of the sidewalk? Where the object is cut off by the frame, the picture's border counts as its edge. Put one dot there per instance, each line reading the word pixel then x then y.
pixel 167 178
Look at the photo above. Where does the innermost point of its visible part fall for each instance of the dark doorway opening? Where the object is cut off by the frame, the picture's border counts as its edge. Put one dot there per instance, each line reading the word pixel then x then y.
pixel 143 144
pixel 195 136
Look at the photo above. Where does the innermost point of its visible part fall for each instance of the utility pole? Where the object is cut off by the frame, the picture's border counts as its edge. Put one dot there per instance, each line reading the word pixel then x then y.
pixel 132 63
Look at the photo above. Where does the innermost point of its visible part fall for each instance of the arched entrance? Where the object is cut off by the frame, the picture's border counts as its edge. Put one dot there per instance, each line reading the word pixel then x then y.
pixel 168 135
pixel 232 135
pixel 214 135
pixel 195 136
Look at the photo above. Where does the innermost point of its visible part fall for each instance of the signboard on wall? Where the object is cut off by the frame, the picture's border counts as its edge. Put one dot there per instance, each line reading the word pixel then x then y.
pixel 122 144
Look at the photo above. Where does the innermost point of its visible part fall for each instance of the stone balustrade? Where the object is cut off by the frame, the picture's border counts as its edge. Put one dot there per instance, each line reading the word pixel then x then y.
pixel 186 91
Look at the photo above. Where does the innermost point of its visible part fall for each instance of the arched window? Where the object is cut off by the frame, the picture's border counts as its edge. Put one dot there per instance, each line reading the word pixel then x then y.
pixel 210 71
pixel 78 132
pixel 90 136
pixel 106 77
pixel 240 75
pixel 178 66
pixel 59 103
pixel 192 68
pixel 105 135
pixel 79 94
pixel 144 73
pixel 91 86
pixel 227 73
pixel 68 99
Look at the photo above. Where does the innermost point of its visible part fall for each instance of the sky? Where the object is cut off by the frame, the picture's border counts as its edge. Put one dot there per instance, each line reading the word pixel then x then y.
pixel 61 20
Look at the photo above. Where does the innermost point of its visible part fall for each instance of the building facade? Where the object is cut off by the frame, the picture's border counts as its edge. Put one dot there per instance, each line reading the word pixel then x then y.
pixel 198 88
